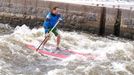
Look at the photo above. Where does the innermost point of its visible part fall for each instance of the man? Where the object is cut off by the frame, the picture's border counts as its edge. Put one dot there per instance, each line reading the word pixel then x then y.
pixel 51 19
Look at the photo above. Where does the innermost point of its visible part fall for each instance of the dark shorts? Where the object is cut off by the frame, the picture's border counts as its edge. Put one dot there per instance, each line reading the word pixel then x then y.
pixel 55 31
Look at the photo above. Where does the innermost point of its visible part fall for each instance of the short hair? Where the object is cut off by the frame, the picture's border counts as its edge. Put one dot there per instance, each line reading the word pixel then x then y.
pixel 54 8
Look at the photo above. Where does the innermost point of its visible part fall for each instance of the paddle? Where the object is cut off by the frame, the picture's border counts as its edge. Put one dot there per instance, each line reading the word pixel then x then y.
pixel 47 37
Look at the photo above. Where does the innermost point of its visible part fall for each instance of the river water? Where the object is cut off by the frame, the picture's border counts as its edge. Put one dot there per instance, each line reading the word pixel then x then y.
pixel 114 56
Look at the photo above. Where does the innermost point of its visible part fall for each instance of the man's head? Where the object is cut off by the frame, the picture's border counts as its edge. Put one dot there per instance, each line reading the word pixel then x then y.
pixel 54 10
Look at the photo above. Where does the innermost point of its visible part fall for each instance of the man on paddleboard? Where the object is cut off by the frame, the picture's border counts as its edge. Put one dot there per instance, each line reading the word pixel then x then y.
pixel 51 19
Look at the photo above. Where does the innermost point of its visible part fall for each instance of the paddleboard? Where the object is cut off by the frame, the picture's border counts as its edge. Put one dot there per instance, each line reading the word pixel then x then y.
pixel 63 53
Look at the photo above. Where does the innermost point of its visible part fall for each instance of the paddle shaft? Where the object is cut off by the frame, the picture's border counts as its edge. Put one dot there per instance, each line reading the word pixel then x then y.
pixel 47 37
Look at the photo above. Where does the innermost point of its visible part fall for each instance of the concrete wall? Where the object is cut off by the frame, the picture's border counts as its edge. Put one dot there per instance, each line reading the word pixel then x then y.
pixel 76 17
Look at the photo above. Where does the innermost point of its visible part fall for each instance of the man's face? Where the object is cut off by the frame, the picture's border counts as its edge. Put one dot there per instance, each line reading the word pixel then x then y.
pixel 55 11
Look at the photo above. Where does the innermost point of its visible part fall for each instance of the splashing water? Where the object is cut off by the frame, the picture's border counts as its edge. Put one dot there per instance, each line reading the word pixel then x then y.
pixel 114 57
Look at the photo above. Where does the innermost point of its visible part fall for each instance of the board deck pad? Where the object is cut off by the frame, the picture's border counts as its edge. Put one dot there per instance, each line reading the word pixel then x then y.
pixel 58 51
pixel 61 53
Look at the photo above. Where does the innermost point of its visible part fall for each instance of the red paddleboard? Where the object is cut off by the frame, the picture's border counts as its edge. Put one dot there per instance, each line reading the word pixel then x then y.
pixel 62 54
pixel 45 52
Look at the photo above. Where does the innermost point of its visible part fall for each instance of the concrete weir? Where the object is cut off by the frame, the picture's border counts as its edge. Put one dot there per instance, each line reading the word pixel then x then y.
pixel 93 19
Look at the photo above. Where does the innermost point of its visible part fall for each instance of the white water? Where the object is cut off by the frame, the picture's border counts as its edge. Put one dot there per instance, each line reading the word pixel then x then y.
pixel 114 57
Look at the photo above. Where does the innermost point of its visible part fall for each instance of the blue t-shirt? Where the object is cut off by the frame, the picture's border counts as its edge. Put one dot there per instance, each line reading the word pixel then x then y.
pixel 52 19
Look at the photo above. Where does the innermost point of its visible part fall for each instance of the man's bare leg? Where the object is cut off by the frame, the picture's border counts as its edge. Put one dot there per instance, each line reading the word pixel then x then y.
pixel 58 40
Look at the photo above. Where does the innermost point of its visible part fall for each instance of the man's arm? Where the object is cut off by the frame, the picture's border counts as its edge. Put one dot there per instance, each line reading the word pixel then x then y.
pixel 61 19
pixel 47 20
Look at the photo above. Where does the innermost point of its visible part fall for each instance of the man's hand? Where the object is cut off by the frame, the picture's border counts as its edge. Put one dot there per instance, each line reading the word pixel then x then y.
pixel 60 19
